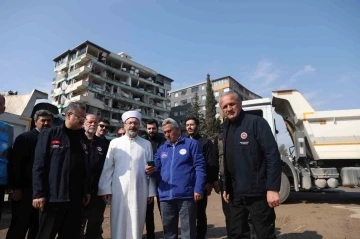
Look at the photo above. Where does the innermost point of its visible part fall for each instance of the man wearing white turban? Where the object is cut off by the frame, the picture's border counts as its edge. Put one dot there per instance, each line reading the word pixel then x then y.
pixel 123 180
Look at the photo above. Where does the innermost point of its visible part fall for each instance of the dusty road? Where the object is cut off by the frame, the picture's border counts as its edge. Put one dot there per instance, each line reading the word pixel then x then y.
pixel 318 215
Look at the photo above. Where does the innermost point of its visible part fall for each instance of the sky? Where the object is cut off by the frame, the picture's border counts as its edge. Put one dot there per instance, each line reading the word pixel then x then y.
pixel 311 46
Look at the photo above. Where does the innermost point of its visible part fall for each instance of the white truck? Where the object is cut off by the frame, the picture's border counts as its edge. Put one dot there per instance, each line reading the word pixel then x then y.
pixel 326 151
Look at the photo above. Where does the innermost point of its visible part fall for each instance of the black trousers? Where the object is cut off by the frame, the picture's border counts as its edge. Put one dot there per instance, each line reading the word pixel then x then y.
pixel 201 219
pixel 2 194
pixel 249 231
pixel 262 216
pixel 24 218
pixel 94 214
pixel 149 221
pixel 225 207
pixel 63 219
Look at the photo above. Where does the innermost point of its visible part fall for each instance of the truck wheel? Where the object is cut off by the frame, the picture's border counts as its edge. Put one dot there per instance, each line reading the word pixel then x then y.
pixel 285 188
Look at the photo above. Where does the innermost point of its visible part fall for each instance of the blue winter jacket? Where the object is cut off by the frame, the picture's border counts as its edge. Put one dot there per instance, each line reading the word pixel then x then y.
pixel 182 169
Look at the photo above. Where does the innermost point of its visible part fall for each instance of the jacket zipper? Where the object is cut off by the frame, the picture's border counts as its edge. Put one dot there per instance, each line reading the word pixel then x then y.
pixel 171 168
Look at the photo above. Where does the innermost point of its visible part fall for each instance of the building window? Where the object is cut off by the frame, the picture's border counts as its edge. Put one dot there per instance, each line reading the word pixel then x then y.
pixel 182 112
pixel 176 113
pixel 203 87
pixel 176 104
pixel 226 90
pixel 216 93
pixel 176 94
pixel 183 102
pixel 203 97
pixel 195 89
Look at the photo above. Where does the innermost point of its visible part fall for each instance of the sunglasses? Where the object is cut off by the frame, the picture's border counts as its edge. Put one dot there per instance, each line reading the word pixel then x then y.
pixel 104 126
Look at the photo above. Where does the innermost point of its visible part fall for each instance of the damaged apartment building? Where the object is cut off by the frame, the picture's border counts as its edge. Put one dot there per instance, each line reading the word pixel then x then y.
pixel 109 84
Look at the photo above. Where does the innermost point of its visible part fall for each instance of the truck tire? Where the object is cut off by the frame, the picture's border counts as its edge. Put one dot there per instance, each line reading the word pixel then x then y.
pixel 285 188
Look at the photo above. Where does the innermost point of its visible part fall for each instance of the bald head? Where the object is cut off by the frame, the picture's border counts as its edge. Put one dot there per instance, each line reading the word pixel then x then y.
pixel 2 104
pixel 90 124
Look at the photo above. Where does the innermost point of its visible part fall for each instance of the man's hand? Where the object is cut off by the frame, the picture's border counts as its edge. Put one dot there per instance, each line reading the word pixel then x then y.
pixel 273 198
pixel 197 197
pixel 216 186
pixel 149 169
pixel 17 195
pixel 107 198
pixel 150 200
pixel 208 189
pixel 226 197
pixel 39 203
pixel 86 199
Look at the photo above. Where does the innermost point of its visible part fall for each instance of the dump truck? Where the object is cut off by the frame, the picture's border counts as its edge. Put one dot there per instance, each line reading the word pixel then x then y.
pixel 326 144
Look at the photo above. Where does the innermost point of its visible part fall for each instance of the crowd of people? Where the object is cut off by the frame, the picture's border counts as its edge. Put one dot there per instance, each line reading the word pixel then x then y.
pixel 62 177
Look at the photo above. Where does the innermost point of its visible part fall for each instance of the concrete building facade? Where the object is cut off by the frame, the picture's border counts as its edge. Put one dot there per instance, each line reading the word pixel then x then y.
pixel 109 84
pixel 181 99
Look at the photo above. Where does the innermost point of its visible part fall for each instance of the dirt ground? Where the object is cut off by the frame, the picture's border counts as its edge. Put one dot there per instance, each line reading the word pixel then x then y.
pixel 334 214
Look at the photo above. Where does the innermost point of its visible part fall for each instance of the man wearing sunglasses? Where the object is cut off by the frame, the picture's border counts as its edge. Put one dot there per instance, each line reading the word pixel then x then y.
pixel 103 128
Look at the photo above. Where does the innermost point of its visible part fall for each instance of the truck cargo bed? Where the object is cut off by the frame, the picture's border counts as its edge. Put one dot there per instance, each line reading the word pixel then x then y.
pixel 330 134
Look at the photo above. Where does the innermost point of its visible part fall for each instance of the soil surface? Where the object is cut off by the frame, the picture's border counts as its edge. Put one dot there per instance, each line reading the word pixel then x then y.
pixel 334 214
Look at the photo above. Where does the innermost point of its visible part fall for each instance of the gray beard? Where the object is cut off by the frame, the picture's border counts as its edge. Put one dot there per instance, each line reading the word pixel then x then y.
pixel 91 131
pixel 132 133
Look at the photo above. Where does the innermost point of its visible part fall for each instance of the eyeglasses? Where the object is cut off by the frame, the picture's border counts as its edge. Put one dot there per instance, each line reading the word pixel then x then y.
pixel 104 126
pixel 83 118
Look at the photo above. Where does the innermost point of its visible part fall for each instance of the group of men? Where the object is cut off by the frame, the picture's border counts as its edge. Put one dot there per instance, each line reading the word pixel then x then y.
pixel 65 175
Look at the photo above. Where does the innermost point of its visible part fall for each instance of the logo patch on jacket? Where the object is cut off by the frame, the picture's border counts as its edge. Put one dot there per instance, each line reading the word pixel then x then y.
pixel 243 135
pixel 55 144
pixel 164 155
pixel 182 151
pixel 99 149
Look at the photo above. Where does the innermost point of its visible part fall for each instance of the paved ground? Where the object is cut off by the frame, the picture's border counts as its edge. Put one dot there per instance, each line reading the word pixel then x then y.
pixel 333 214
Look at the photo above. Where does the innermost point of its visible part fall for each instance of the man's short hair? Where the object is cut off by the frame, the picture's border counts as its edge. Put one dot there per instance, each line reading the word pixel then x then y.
pixel 104 120
pixel 196 120
pixel 153 121
pixel 170 121
pixel 42 113
pixel 75 106
pixel 231 92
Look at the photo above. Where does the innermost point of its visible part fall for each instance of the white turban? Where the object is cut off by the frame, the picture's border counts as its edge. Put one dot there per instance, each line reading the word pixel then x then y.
pixel 131 114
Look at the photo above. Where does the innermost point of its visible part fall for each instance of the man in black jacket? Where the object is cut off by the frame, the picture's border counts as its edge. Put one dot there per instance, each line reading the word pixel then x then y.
pixel 24 216
pixel 192 128
pixel 94 211
pixel 152 129
pixel 60 176
pixel 252 170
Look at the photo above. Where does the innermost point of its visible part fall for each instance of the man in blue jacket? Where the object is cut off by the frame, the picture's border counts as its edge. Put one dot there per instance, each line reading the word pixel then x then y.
pixel 182 170
pixel 252 168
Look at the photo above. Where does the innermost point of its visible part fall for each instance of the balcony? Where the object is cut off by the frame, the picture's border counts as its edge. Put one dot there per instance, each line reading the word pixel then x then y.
pixel 82 59
pixel 80 71
pixel 80 85
pixel 127 74
pixel 62 66
pixel 124 99
pixel 124 86
pixel 56 92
